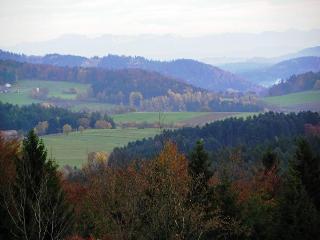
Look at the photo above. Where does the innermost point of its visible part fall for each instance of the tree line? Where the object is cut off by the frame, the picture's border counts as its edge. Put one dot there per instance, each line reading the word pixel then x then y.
pixel 232 132
pixel 49 119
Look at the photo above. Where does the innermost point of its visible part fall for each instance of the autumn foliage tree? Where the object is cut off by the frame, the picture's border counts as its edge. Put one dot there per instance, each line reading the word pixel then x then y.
pixel 8 153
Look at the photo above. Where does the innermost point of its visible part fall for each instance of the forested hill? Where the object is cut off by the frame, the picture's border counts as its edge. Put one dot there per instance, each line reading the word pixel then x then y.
pixel 283 70
pixel 226 133
pixel 193 72
pixel 297 83
pixel 111 83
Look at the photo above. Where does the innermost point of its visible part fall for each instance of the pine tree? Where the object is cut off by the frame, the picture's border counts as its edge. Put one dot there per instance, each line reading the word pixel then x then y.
pixel 200 171
pixel 295 216
pixel 199 165
pixel 308 167
pixel 269 160
pixel 38 209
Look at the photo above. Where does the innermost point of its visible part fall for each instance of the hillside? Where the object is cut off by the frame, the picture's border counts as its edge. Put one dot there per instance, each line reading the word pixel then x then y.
pixel 283 70
pixel 297 83
pixel 253 64
pixel 193 72
pixel 108 85
pixel 300 101
pixel 306 52
pixel 231 132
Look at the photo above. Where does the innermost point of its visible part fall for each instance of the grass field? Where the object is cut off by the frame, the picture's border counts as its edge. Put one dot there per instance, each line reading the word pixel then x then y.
pixel 153 117
pixel 185 118
pixel 73 149
pixel 92 106
pixel 289 100
pixel 56 89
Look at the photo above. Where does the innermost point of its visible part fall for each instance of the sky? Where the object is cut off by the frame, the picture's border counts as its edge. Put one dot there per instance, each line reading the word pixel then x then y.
pixel 39 20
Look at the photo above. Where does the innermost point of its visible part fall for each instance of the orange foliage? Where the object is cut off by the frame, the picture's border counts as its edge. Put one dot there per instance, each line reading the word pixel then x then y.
pixel 9 149
pixel 312 130
pixel 174 161
pixel 264 183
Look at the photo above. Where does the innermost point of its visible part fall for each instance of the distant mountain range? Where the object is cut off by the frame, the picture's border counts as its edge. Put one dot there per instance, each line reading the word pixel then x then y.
pixel 211 48
pixel 189 71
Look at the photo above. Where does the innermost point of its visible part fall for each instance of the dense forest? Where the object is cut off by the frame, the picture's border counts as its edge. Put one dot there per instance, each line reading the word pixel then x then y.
pixel 171 196
pixel 297 83
pixel 232 132
pixel 46 119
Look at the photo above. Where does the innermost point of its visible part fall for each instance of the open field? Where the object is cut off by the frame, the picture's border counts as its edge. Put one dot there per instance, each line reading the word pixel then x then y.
pixel 153 117
pixel 211 117
pixel 73 149
pixel 20 92
pixel 184 118
pixel 301 100
pixel 92 106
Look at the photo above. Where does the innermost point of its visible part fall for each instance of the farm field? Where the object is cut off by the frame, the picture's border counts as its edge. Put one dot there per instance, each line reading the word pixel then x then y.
pixel 294 99
pixel 215 116
pixel 24 87
pixel 153 117
pixel 185 118
pixel 73 149
pixel 92 106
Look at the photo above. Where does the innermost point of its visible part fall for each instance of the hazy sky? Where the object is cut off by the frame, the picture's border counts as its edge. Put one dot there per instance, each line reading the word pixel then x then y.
pixel 36 20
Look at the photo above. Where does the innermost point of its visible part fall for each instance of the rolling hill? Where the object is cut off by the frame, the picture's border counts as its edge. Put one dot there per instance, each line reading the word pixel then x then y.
pixel 116 85
pixel 253 64
pixel 297 83
pixel 190 71
pixel 230 132
pixel 283 70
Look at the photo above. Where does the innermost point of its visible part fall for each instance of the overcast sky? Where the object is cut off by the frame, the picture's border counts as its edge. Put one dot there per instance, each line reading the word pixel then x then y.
pixel 37 20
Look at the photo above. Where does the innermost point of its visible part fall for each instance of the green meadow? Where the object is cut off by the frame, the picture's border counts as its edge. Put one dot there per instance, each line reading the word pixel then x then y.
pixel 73 149
pixel 293 99
pixel 20 92
pixel 153 117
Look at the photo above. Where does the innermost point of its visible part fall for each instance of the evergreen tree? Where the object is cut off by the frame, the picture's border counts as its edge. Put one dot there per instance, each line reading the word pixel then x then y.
pixel 199 165
pixel 38 208
pixel 200 172
pixel 226 204
pixel 295 216
pixel 269 160
pixel 308 167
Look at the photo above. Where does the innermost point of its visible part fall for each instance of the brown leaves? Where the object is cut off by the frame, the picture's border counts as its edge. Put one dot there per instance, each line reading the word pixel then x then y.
pixel 9 150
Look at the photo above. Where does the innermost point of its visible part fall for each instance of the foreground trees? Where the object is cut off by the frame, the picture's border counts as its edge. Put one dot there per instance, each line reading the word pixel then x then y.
pixel 172 197
pixel 168 197
pixel 34 203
